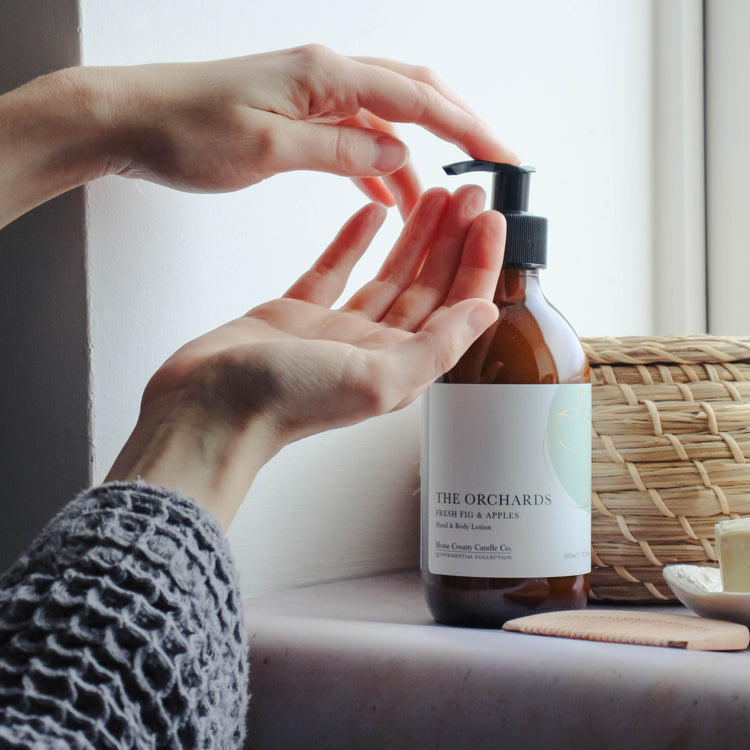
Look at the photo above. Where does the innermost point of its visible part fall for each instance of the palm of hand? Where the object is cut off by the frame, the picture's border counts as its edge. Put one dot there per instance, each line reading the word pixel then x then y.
pixel 308 367
pixel 312 367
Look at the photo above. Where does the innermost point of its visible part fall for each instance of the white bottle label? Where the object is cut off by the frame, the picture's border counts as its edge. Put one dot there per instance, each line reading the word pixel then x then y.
pixel 506 480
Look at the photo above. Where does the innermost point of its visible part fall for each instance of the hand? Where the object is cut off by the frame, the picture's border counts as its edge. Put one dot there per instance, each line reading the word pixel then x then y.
pixel 225 403
pixel 227 124
pixel 223 125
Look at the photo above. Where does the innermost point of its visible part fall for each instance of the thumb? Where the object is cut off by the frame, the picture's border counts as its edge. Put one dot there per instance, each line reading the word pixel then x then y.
pixel 446 335
pixel 440 342
pixel 339 149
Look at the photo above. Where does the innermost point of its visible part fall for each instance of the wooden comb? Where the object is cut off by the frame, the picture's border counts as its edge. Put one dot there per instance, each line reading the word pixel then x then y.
pixel 637 627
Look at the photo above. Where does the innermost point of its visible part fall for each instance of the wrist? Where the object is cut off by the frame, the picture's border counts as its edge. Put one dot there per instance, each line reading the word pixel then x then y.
pixel 53 137
pixel 212 462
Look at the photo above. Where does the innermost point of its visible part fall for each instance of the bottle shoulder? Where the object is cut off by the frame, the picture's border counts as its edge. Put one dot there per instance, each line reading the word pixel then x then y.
pixel 532 342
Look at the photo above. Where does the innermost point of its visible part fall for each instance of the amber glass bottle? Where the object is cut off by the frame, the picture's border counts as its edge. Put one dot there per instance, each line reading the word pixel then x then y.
pixel 506 470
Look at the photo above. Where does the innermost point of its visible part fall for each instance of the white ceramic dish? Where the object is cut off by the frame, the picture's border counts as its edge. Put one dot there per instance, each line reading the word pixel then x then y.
pixel 698 587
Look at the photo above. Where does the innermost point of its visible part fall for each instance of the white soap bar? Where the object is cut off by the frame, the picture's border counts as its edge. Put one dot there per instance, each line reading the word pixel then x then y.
pixel 733 549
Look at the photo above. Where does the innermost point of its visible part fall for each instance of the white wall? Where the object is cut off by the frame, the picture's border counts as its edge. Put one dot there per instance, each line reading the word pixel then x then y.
pixel 567 83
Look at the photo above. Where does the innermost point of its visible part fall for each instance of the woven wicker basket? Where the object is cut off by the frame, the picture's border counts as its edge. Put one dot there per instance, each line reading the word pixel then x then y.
pixel 671 456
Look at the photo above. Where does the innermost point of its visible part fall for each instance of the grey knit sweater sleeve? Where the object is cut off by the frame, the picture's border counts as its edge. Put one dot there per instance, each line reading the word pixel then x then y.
pixel 122 627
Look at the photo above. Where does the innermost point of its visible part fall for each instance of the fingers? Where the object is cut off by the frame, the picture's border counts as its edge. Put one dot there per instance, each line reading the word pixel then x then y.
pixel 324 283
pixel 425 75
pixel 450 330
pixel 345 150
pixel 399 92
pixel 403 185
pixel 448 251
pixel 402 189
pixel 481 259
pixel 431 287
pixel 433 260
pixel 374 188
pixel 419 359
pixel 326 90
pixel 404 262
pixel 323 86
pixel 446 336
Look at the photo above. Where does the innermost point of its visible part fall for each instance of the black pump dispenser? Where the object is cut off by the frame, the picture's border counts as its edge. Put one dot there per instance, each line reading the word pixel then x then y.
pixel 526 243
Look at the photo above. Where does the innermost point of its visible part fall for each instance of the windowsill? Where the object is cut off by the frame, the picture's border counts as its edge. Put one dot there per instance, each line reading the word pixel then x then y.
pixel 360 665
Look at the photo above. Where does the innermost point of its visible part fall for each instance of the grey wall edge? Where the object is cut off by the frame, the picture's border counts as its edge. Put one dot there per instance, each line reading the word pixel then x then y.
pixel 44 358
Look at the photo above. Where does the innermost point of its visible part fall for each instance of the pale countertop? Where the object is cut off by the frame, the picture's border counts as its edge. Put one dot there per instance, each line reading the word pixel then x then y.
pixel 359 664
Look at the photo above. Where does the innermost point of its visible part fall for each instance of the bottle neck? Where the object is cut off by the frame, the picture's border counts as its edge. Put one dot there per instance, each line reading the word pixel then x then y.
pixel 517 285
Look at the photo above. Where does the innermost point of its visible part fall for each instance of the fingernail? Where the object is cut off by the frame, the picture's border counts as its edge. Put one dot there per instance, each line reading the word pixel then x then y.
pixel 481 318
pixel 392 154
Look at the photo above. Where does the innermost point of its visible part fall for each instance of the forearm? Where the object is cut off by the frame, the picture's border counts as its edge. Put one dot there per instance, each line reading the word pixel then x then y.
pixel 212 460
pixel 53 137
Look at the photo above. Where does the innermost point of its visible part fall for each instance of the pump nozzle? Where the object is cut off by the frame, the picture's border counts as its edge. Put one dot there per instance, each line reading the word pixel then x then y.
pixel 511 184
pixel 526 243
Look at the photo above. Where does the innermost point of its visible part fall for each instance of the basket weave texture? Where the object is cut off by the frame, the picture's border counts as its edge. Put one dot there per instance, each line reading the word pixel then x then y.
pixel 670 456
